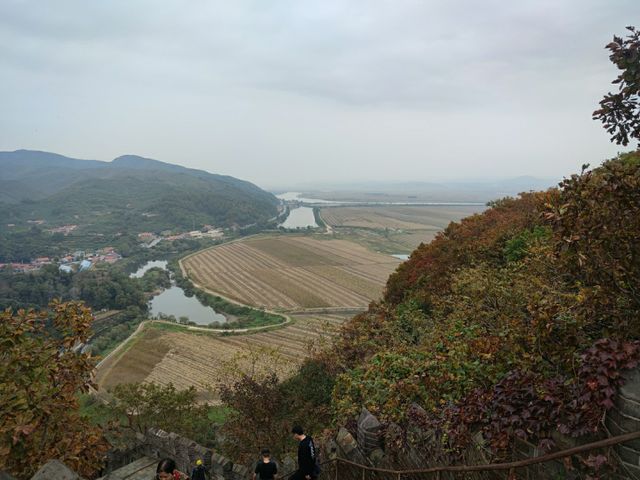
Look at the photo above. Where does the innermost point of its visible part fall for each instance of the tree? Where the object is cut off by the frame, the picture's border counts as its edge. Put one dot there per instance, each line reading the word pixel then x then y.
pixel 257 417
pixel 41 374
pixel 620 112
pixel 162 406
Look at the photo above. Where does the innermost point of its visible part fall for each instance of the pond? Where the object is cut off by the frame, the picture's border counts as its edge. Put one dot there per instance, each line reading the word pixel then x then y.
pixel 148 266
pixel 173 301
pixel 301 217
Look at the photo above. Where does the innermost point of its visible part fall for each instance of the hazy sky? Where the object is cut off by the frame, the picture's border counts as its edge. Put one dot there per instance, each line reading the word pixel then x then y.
pixel 279 92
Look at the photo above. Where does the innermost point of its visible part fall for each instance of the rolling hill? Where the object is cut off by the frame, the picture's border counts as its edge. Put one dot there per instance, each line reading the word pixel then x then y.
pixel 130 193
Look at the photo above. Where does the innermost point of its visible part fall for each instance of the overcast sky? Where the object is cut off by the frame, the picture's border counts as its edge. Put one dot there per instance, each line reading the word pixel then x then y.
pixel 281 92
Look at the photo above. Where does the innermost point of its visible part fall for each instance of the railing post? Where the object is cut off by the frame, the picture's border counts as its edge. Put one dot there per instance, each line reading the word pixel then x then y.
pixel 337 462
pixel 364 472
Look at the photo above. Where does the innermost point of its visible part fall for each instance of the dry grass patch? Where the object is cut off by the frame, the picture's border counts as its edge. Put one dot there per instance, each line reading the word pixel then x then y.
pixel 145 351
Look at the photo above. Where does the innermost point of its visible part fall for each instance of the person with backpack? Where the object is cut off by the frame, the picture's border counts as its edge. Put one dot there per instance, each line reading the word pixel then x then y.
pixel 307 461
pixel 266 469
pixel 199 472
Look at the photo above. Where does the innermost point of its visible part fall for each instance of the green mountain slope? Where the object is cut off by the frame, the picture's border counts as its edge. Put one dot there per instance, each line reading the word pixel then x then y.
pixel 130 193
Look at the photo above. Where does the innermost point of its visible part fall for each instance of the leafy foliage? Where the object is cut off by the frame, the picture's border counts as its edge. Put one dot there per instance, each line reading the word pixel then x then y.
pixel 103 288
pixel 162 406
pixel 620 112
pixel 479 237
pixel 40 377
pixel 263 409
pixel 528 406
pixel 516 323
pixel 597 222
pixel 257 417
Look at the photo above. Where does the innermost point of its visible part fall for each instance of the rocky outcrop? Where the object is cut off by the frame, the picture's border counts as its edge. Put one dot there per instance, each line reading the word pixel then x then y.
pixel 369 429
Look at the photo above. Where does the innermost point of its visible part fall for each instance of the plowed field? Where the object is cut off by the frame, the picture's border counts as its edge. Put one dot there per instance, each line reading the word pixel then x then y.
pixel 185 358
pixel 292 273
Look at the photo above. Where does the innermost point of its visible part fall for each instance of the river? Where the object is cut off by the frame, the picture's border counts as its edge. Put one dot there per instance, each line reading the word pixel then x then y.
pixel 296 196
pixel 173 301
pixel 290 196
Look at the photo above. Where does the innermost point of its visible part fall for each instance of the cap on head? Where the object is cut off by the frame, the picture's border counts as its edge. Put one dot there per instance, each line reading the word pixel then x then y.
pixel 198 462
pixel 297 430
pixel 265 452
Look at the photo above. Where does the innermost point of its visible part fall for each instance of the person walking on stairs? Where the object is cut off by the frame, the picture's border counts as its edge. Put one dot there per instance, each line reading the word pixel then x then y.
pixel 199 472
pixel 307 467
pixel 266 469
pixel 167 470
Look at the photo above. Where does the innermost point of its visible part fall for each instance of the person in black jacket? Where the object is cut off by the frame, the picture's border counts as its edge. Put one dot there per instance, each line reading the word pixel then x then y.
pixel 266 469
pixel 307 469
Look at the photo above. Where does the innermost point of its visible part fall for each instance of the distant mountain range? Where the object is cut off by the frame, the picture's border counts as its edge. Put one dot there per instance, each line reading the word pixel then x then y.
pixel 130 192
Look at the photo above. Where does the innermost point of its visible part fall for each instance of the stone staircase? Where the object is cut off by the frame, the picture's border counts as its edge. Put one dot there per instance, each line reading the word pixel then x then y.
pixel 365 447
pixel 141 469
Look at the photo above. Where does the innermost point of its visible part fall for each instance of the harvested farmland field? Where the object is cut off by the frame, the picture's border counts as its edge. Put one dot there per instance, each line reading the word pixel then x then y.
pixel 165 354
pixel 292 273
pixel 397 217
pixel 393 229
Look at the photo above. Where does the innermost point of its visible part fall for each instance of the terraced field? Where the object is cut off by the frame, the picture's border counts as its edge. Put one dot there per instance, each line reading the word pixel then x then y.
pixel 291 273
pixel 185 358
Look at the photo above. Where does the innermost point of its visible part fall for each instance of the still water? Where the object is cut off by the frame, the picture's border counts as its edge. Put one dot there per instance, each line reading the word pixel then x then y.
pixel 148 266
pixel 173 301
pixel 301 217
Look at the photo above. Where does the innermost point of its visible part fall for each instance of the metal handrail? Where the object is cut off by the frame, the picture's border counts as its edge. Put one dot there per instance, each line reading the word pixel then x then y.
pixel 607 442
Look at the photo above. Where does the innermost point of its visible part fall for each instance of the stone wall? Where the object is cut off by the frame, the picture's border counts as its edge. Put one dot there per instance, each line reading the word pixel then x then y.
pixel 160 444
pixel 624 417
pixel 365 446
pixel 156 443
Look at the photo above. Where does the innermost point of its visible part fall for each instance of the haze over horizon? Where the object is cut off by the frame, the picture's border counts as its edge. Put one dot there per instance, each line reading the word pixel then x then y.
pixel 334 91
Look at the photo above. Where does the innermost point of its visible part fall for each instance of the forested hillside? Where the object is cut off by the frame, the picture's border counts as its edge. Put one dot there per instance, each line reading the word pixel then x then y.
pixel 129 193
pixel 516 322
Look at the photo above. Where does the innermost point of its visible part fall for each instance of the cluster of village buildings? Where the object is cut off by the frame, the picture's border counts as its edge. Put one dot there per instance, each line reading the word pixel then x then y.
pixel 150 239
pixel 81 260
pixel 73 262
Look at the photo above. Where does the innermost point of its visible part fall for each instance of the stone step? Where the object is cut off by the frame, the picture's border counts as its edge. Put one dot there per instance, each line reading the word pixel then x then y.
pixel 142 469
